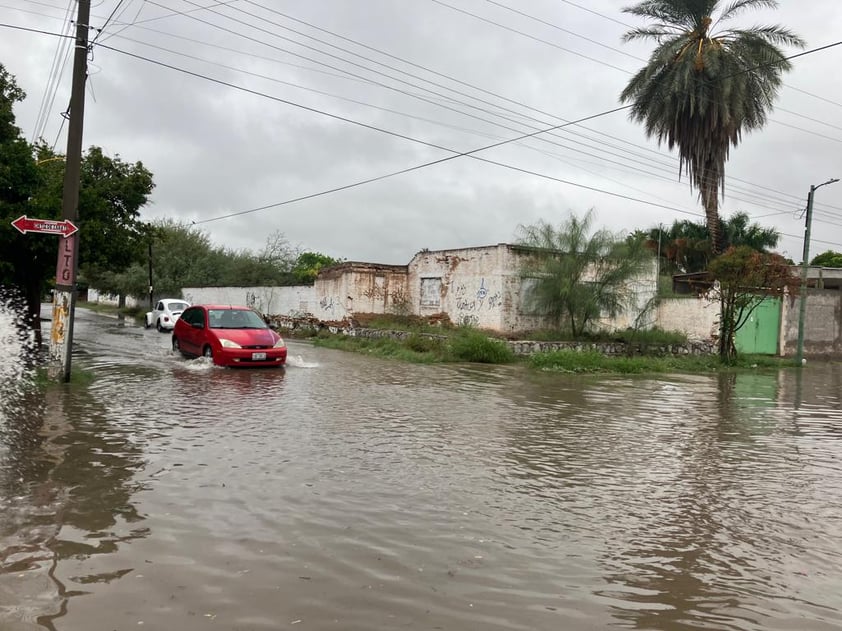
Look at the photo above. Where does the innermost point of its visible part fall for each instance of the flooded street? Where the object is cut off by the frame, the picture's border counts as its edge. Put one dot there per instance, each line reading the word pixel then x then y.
pixel 353 493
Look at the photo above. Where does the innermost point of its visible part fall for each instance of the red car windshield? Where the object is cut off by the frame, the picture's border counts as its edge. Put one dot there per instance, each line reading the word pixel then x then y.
pixel 235 319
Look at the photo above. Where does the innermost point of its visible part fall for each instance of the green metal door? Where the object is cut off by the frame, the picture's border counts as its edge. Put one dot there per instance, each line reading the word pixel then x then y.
pixel 759 336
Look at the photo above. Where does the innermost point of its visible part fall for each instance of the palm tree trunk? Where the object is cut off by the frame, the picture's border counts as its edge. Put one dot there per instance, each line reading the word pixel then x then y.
pixel 709 194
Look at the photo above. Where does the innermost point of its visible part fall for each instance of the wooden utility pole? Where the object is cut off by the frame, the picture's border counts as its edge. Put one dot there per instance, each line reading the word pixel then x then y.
pixel 64 297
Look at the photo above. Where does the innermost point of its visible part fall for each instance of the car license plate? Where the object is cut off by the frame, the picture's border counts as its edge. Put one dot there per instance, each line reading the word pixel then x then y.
pixel 258 356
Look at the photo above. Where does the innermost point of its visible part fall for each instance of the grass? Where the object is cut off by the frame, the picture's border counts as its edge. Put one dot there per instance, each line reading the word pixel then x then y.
pixel 78 377
pixel 576 362
pixel 465 345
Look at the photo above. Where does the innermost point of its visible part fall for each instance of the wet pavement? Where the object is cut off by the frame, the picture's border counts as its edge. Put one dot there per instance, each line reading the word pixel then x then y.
pixel 346 492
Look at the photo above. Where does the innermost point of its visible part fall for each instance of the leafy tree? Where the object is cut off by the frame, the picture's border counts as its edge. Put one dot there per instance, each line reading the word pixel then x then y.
pixel 31 183
pixel 24 260
pixel 702 88
pixel 828 259
pixel 184 256
pixel 111 194
pixel 686 246
pixel 577 276
pixel 745 278
pixel 309 264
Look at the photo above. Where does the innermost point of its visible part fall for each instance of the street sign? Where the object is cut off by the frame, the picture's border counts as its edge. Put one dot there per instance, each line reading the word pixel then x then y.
pixel 46 226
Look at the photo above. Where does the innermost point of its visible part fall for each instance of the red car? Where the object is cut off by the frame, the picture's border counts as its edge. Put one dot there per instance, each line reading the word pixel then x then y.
pixel 231 336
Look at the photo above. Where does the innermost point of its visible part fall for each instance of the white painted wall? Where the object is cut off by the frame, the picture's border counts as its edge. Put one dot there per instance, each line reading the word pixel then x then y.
pixel 299 300
pixel 697 318
pixel 471 290
pixel 103 298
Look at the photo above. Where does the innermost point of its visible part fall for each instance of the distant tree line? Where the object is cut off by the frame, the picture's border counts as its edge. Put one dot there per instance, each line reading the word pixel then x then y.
pixel 115 242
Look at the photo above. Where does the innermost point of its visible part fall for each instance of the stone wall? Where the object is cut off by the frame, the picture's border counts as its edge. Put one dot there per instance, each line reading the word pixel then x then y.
pixel 701 347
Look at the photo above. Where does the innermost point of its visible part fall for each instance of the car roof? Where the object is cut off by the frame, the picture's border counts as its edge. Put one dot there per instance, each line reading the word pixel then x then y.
pixel 169 300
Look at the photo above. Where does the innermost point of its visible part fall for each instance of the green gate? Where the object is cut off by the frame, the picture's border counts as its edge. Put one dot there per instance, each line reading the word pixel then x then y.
pixel 759 336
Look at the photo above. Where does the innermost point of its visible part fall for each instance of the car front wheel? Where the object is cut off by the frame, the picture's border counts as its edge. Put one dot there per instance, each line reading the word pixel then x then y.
pixel 208 352
pixel 176 347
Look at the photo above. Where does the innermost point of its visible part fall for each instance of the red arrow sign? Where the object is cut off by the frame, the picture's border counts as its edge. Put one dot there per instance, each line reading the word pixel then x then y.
pixel 47 226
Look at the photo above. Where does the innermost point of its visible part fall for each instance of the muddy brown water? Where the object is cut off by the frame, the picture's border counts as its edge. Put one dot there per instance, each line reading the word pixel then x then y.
pixel 349 493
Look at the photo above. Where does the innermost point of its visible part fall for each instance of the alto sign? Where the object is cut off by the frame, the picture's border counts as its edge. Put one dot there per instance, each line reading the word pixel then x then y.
pixel 46 226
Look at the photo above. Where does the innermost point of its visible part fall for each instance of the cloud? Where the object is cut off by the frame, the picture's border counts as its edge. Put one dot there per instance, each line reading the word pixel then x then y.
pixel 216 150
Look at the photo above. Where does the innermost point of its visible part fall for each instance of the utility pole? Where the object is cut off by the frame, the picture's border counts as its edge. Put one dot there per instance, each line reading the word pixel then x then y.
pixel 805 264
pixel 64 297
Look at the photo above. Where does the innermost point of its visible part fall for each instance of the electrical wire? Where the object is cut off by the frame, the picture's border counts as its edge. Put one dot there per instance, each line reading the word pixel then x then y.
pixel 56 70
pixel 379 83
pixel 274 11
pixel 456 154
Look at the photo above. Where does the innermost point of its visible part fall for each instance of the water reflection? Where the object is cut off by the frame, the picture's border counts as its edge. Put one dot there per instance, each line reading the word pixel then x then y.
pixel 67 490
pixel 367 494
pixel 715 550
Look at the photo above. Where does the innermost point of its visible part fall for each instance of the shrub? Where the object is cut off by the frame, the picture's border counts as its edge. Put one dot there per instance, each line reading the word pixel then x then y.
pixel 470 345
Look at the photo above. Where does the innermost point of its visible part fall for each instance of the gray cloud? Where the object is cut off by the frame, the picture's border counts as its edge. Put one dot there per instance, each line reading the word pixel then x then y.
pixel 216 150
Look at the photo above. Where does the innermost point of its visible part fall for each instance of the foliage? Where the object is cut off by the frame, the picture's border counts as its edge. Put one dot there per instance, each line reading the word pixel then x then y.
pixel 470 345
pixel 26 260
pixel 702 88
pixel 685 246
pixel 465 345
pixel 308 265
pixel 183 256
pixel 31 183
pixel 579 362
pixel 745 278
pixel 828 259
pixel 576 277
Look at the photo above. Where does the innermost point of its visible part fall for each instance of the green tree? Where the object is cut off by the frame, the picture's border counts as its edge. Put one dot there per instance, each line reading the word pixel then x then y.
pixel 25 260
pixel 703 88
pixel 309 264
pixel 828 259
pixel 744 279
pixel 685 246
pixel 576 276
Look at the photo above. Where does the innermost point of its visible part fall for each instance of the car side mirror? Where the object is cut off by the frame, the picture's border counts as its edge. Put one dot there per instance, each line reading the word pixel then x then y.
pixel 198 325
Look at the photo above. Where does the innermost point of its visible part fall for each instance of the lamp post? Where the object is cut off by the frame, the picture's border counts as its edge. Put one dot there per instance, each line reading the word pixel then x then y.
pixel 802 307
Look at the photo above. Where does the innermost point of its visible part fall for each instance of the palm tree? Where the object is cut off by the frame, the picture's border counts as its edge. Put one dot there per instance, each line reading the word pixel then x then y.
pixel 703 87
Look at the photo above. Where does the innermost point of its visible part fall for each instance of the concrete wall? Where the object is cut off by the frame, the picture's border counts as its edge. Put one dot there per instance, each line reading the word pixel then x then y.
pixel 289 301
pixel 822 324
pixel 103 298
pixel 467 284
pixel 697 318
pixel 351 288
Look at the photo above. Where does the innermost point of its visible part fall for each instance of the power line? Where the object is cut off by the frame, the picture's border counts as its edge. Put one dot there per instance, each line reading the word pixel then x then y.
pixel 56 70
pixel 455 155
pixel 393 78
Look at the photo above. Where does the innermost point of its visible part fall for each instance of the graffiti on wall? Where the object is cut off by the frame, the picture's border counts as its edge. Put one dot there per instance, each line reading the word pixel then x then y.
pixel 471 300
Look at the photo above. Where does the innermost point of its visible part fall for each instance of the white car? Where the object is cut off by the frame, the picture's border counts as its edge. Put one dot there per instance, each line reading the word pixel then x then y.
pixel 165 314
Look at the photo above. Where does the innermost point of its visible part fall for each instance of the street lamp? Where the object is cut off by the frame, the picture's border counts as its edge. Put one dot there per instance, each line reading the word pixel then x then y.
pixel 799 356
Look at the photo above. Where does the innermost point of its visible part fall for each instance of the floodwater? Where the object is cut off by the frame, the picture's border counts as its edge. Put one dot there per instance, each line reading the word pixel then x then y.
pixel 352 493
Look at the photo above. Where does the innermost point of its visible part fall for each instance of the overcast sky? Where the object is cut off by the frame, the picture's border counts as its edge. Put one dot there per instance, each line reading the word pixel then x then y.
pixel 460 74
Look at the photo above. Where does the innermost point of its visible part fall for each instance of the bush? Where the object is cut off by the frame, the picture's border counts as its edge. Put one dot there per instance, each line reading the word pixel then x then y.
pixel 470 345
pixel 651 337
pixel 423 344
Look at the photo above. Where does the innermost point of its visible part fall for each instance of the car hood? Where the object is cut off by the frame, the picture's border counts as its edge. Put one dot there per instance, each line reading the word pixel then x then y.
pixel 249 337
